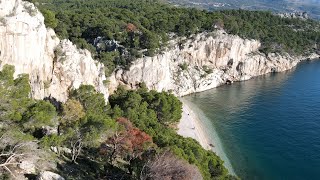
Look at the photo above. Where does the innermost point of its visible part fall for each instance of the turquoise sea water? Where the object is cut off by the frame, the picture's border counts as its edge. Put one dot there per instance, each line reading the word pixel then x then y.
pixel 269 127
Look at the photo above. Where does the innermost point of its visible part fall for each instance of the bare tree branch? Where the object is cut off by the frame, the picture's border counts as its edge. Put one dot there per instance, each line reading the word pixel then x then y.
pixel 6 168
pixel 167 166
pixel 14 151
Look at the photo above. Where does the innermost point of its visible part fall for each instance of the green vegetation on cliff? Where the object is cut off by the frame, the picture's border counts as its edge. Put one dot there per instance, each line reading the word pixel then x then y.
pixel 144 27
pixel 89 139
pixel 295 36
pixel 153 112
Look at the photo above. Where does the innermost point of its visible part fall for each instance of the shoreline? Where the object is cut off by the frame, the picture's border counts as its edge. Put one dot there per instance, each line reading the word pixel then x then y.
pixel 195 125
pixel 189 126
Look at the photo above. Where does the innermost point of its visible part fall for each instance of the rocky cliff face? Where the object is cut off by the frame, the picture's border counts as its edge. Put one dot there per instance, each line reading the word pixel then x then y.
pixel 203 62
pixel 54 66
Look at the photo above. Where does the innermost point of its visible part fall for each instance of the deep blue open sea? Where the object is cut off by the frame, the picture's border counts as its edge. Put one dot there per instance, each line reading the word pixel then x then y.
pixel 269 126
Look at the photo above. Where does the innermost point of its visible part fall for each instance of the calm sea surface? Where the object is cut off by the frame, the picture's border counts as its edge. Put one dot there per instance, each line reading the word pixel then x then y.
pixel 269 127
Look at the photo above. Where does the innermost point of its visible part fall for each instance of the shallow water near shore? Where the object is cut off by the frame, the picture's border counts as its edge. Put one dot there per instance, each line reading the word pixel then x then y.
pixel 269 127
pixel 207 129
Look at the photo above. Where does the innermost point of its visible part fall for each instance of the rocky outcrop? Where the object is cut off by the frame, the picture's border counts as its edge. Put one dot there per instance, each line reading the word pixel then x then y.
pixel 300 15
pixel 47 175
pixel 28 167
pixel 54 66
pixel 202 62
pixel 73 67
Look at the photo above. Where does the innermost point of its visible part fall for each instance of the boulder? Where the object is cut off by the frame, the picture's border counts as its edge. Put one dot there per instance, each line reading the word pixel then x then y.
pixel 27 167
pixel 47 175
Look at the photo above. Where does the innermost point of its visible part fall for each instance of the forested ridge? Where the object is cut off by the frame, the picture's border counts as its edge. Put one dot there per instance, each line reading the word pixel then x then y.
pixel 143 27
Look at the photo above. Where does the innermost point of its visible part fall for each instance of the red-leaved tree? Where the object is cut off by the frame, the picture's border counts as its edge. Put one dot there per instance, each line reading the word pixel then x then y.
pixel 128 143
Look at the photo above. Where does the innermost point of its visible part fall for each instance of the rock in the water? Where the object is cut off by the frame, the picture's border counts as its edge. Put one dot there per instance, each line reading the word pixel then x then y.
pixel 47 175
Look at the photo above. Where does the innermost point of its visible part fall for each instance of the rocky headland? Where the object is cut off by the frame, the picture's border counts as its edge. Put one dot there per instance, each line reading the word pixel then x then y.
pixel 204 61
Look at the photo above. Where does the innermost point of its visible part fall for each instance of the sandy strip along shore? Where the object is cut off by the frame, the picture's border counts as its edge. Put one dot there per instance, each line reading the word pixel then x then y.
pixel 192 126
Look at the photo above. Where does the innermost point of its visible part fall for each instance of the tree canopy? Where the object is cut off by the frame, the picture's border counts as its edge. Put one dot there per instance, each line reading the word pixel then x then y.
pixel 90 139
pixel 153 113
pixel 144 27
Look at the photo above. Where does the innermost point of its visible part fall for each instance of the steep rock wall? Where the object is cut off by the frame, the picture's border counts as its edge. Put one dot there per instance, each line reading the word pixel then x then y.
pixel 202 62
pixel 54 66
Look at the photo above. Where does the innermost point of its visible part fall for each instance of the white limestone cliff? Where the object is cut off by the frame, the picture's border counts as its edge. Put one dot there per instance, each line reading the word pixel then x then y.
pixel 205 61
pixel 54 66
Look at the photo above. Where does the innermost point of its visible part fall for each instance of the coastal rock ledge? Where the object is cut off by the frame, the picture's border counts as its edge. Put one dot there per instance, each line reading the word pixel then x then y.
pixel 204 61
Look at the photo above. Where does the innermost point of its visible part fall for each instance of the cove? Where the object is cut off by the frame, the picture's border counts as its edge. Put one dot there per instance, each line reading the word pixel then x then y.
pixel 268 127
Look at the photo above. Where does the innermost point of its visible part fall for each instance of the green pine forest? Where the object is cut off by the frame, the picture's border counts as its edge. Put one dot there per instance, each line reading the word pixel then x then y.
pixel 142 27
pixel 126 138
pixel 121 139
